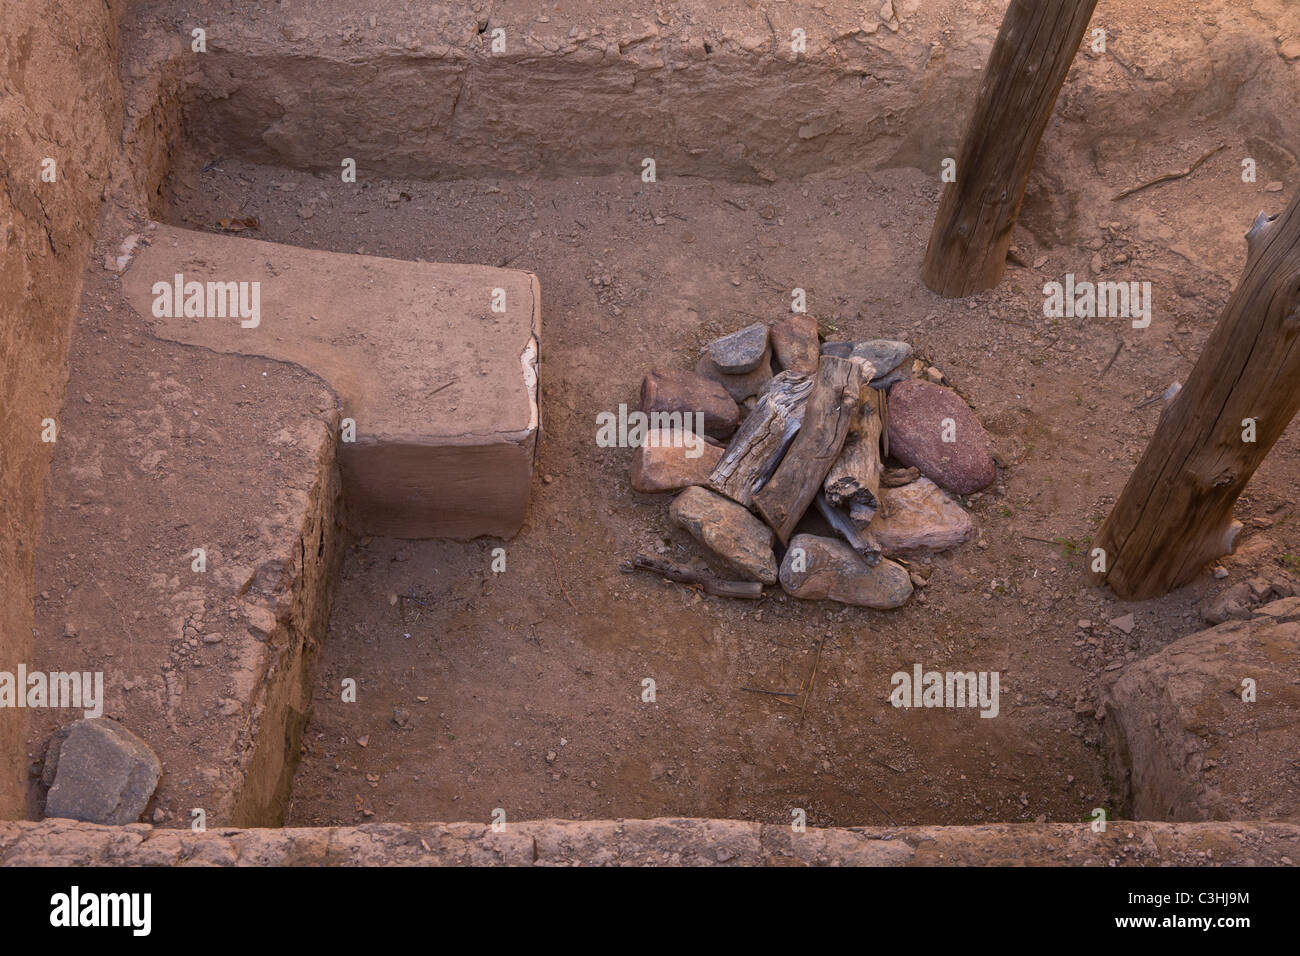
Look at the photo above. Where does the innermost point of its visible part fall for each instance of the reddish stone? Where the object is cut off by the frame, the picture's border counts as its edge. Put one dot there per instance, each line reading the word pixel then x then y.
pixel 664 462
pixel 672 390
pixel 918 412
pixel 795 344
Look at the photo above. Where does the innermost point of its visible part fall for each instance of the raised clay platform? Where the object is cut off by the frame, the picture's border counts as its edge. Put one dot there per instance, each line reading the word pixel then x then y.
pixel 163 449
pixel 435 363
pixel 661 842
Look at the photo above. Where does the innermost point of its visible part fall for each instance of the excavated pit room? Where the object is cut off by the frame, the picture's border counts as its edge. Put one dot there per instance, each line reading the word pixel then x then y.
pixel 523 689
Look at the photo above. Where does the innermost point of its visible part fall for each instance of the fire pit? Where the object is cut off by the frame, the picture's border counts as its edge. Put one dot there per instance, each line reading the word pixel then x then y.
pixel 843 460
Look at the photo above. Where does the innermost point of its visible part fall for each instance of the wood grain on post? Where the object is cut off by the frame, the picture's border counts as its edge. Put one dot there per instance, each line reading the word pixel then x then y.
pixel 826 418
pixel 1030 58
pixel 1175 513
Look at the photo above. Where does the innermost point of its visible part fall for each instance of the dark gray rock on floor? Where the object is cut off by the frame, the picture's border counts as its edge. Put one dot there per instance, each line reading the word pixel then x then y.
pixel 103 774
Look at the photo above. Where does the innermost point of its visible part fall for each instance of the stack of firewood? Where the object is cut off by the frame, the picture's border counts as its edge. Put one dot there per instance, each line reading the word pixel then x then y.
pixel 810 439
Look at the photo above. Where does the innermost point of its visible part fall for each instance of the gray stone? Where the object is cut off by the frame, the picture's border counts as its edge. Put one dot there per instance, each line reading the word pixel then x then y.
pixel 51 765
pixel 105 774
pixel 918 518
pixel 889 358
pixel 740 352
pixel 884 382
pixel 728 530
pixel 818 568
pixel 739 387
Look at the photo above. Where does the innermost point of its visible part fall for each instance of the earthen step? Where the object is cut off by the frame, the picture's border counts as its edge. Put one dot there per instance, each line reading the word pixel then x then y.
pixel 435 363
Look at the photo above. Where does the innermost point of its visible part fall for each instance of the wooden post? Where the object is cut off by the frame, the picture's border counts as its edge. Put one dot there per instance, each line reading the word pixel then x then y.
pixel 1175 513
pixel 1030 58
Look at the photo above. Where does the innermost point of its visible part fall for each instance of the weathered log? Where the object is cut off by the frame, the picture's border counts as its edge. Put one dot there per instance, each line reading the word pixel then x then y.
pixel 882 406
pixel 764 436
pixel 718 587
pixel 859 538
pixel 853 483
pixel 1175 513
pixel 1029 61
pixel 828 413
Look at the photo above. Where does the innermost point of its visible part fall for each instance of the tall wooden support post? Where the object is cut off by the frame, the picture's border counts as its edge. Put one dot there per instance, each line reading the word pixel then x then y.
pixel 1175 513
pixel 1030 58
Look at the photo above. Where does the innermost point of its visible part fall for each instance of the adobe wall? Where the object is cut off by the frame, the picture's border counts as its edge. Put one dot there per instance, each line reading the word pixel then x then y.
pixel 61 100
pixel 660 842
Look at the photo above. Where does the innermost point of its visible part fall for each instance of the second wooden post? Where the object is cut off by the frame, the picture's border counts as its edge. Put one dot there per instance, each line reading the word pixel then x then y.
pixel 1030 58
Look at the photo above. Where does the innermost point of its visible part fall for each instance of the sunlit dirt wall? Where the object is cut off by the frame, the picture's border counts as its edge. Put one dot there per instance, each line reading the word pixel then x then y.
pixel 60 119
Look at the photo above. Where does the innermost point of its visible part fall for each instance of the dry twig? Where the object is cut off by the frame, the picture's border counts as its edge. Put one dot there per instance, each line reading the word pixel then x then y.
pixel 808 690
pixel 1170 177
pixel 718 587
pixel 563 590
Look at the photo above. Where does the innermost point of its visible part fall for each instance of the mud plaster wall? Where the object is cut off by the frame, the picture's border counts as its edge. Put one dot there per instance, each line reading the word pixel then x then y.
pixel 708 90
pixel 59 98
pixel 658 842
pixel 282 701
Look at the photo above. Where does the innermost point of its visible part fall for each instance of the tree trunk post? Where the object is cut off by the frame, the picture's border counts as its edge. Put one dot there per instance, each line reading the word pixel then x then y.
pixel 1175 513
pixel 1030 58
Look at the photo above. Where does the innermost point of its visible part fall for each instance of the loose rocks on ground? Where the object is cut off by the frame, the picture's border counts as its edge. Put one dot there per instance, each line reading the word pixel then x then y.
pixel 104 774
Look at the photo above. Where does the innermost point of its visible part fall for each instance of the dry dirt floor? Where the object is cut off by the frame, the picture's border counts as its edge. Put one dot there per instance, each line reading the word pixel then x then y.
pixel 523 690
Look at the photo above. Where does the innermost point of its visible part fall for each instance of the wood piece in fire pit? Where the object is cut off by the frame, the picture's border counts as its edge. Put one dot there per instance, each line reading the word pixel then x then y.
pixel 754 450
pixel 853 483
pixel 827 416
pixel 858 538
